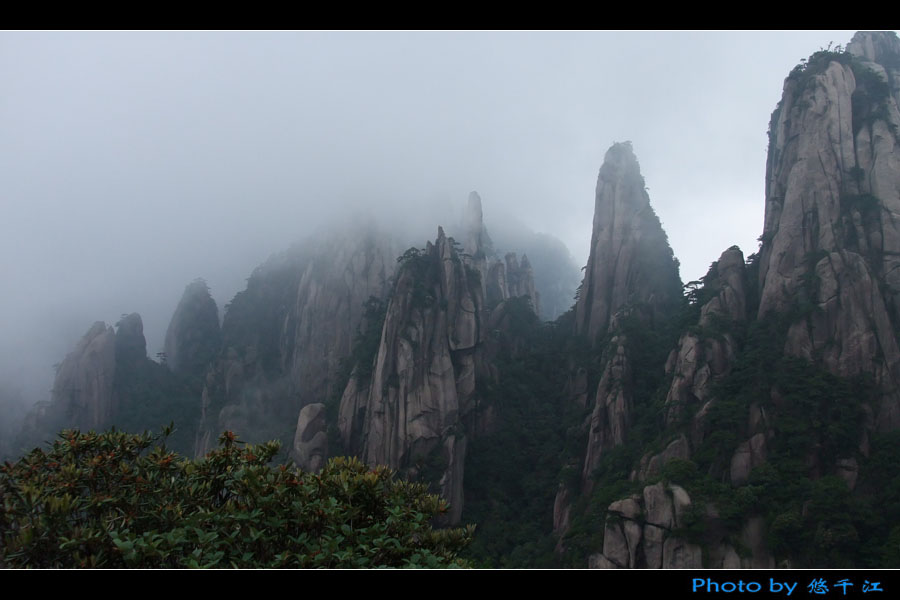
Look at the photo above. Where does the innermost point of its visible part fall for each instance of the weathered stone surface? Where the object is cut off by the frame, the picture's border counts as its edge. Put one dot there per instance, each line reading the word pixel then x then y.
pixel 131 346
pixel 286 334
pixel 630 259
pixel 679 554
pixel 310 449
pixel 612 410
pixel 408 415
pixel 703 358
pixel 598 561
pixel 660 518
pixel 748 455
pixel 83 394
pixel 639 532
pixel 562 508
pixel 193 338
pixel 832 198
pixel 651 465
pixel 623 533
pixel 344 272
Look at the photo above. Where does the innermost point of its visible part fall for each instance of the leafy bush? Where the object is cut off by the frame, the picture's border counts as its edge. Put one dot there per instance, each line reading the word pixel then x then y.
pixel 115 499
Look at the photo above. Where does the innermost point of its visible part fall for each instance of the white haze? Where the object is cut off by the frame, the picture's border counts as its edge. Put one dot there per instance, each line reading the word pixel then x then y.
pixel 133 162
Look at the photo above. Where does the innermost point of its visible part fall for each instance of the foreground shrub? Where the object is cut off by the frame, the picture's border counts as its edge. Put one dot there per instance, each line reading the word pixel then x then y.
pixel 115 499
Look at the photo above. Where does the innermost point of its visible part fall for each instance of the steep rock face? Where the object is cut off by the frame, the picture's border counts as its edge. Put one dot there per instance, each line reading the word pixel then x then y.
pixel 131 346
pixel 705 354
pixel 311 441
pixel 500 279
pixel 612 409
pixel 639 532
pixel 520 279
pixel 556 275
pixel 193 337
pixel 408 414
pixel 329 307
pixel 96 384
pixel 83 395
pixel 630 261
pixel 631 276
pixel 284 337
pixel 831 242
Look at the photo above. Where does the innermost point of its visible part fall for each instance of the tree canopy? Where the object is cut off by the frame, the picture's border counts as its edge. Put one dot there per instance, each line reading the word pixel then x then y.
pixel 115 499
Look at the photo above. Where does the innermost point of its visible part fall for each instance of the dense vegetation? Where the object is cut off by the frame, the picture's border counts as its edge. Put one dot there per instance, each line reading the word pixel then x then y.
pixel 512 470
pixel 815 427
pixel 123 500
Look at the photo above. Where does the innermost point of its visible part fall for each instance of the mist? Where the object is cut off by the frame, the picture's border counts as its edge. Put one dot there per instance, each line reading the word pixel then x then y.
pixel 134 162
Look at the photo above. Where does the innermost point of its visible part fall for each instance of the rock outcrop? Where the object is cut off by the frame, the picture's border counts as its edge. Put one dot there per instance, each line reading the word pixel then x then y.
pixel 83 394
pixel 284 337
pixel 828 283
pixel 408 414
pixel 310 449
pixel 103 382
pixel 631 262
pixel 611 416
pixel 831 241
pixel 640 532
pixel 631 274
pixel 501 278
pixel 193 338
pixel 706 353
pixel 645 531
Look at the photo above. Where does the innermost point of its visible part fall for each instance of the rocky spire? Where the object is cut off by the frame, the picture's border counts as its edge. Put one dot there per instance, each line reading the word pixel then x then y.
pixel 284 337
pixel 83 393
pixel 831 239
pixel 407 413
pixel 193 337
pixel 478 242
pixel 131 346
pixel 630 261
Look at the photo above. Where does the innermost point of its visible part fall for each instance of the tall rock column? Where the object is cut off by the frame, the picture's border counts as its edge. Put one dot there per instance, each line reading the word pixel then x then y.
pixel 630 261
pixel 831 240
pixel 407 415
pixel 631 269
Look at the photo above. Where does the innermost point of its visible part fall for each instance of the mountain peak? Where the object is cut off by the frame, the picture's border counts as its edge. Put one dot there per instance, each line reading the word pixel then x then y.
pixel 881 47
pixel 630 261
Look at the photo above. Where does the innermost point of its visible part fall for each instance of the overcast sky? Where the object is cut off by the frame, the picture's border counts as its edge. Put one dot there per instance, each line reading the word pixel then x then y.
pixel 134 162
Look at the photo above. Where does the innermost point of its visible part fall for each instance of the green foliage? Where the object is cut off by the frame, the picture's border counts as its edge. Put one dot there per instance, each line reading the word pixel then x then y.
pixel 865 204
pixel 368 337
pixel 870 98
pixel 816 64
pixel 512 469
pixel 121 500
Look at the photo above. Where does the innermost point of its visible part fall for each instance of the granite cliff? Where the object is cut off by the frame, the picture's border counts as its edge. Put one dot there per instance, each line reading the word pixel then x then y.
pixel 780 396
pixel 750 419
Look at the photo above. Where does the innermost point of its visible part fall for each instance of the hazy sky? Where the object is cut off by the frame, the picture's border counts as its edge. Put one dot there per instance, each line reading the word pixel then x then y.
pixel 134 162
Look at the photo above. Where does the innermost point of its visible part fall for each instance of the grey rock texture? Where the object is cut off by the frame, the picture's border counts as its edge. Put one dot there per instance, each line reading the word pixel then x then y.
pixel 612 410
pixel 131 346
pixel 639 532
pixel 193 338
pixel 651 464
pixel 831 229
pixel 630 259
pixel 704 354
pixel 407 416
pixel 83 392
pixel 283 338
pixel 310 449
pixel 501 279
pixel 631 272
